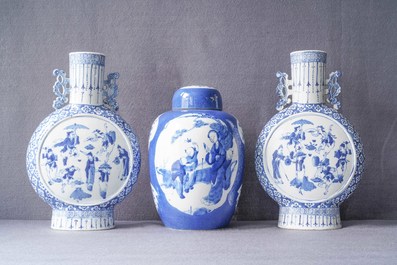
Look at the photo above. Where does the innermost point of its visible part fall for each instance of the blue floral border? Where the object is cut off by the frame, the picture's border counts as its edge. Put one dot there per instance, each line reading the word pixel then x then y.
pixel 308 57
pixel 47 124
pixel 87 58
pixel 316 108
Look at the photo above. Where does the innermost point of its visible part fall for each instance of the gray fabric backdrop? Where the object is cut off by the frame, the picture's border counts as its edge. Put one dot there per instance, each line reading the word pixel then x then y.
pixel 236 46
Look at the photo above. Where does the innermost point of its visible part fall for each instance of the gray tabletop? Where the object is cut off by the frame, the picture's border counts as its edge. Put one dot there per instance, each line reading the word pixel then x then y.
pixel 149 242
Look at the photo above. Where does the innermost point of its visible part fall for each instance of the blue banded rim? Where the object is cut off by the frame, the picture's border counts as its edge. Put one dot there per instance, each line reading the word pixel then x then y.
pixel 308 56
pixel 93 58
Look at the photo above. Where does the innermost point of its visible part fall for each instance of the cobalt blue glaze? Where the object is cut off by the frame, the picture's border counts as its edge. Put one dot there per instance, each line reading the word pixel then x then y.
pixel 196 159
pixel 195 97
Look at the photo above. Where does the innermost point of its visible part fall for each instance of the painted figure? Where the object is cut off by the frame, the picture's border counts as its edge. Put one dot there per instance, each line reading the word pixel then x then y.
pixel 51 163
pixel 69 172
pixel 190 164
pixel 278 156
pixel 108 139
pixel 327 139
pixel 90 170
pixel 341 154
pixel 299 158
pixel 326 175
pixel 104 171
pixel 125 160
pixel 183 171
pixel 216 156
pixel 301 181
pixel 69 145
pixel 67 177
pixel 296 136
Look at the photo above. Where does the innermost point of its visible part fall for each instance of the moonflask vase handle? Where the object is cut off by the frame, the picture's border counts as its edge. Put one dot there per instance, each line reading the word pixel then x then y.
pixel 283 90
pixel 60 89
pixel 334 89
pixel 110 91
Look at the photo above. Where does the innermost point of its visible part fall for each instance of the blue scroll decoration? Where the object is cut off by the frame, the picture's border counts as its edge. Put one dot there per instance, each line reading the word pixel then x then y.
pixel 334 89
pixel 282 91
pixel 110 91
pixel 60 89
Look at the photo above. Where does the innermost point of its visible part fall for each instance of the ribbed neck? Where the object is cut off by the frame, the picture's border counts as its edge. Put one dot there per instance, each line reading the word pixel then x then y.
pixel 86 77
pixel 308 76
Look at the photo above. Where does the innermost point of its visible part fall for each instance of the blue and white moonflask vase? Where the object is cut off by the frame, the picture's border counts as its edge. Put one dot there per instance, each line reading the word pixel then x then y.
pixel 196 158
pixel 83 158
pixel 309 158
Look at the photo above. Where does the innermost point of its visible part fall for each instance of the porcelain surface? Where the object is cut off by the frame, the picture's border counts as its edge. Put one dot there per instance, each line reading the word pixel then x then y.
pixel 196 163
pixel 308 157
pixel 83 159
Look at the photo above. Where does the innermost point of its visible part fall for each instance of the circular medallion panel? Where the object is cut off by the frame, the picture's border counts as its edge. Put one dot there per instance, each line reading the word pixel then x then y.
pixel 309 157
pixel 85 160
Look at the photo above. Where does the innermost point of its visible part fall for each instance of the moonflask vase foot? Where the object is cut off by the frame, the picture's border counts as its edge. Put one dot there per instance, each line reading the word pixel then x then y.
pixel 99 219
pixel 309 219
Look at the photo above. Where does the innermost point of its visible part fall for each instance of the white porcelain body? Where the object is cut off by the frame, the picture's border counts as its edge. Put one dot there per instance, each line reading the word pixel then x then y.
pixel 309 158
pixel 83 158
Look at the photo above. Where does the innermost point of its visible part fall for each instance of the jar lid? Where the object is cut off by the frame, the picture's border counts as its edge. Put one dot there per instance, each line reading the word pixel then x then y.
pixel 197 97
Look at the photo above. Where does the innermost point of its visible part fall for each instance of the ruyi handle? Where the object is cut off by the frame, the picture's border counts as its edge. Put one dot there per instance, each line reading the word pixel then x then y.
pixel 334 89
pixel 60 89
pixel 110 91
pixel 283 90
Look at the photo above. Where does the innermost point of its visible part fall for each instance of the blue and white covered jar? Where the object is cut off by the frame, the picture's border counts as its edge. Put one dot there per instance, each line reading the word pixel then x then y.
pixel 83 158
pixel 196 158
pixel 309 158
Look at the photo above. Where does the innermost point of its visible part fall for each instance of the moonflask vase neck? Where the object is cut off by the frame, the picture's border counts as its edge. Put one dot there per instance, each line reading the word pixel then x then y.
pixel 308 77
pixel 86 71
